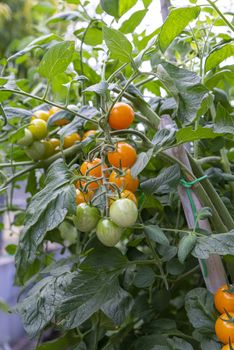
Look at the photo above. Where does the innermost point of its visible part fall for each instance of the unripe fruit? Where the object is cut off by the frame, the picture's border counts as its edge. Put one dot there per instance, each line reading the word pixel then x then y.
pixel 41 114
pixel 38 128
pixel 36 150
pixel 123 212
pixel 86 217
pixel 108 232
pixel 68 233
pixel 27 139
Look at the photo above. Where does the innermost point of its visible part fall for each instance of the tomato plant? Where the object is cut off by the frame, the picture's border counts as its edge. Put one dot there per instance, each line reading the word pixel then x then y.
pixel 122 136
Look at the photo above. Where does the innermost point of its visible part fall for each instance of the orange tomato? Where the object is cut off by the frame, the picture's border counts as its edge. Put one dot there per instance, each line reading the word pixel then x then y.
pixel 121 116
pixel 125 194
pixel 96 172
pixel 89 133
pixel 224 328
pixel 124 156
pixel 83 197
pixel 54 110
pixel 227 347
pixel 41 114
pixel 61 122
pixel 69 140
pixel 126 181
pixel 224 300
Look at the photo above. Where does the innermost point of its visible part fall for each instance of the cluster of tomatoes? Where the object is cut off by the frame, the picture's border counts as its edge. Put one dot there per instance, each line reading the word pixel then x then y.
pixel 224 327
pixel 112 171
pixel 36 141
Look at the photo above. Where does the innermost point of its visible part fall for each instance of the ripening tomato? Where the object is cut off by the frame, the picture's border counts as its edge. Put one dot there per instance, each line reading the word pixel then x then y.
pixel 68 232
pixel 96 172
pixel 49 149
pixel 121 116
pixel 124 155
pixel 86 218
pixel 55 143
pixel 125 182
pixel 61 122
pixel 27 139
pixel 38 128
pixel 125 194
pixel 224 328
pixel 36 150
pixel 54 110
pixel 227 347
pixel 89 133
pixel 123 212
pixel 224 300
pixel 83 197
pixel 108 232
pixel 41 114
pixel 71 139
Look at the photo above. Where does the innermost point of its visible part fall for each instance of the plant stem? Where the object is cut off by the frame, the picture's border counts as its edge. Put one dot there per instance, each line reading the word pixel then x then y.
pixel 205 160
pixel 8 165
pixel 221 15
pixel 133 132
pixel 227 169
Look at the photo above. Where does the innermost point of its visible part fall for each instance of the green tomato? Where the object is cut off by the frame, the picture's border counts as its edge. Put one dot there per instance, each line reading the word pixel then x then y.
pixel 27 139
pixel 49 149
pixel 86 218
pixel 36 151
pixel 124 212
pixel 38 128
pixel 231 155
pixel 108 232
pixel 68 232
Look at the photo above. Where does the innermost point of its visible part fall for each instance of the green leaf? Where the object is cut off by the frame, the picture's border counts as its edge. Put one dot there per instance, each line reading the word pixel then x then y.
pixel 65 16
pixel 139 57
pixel 147 3
pixel 221 244
pixel 155 233
pixel 189 134
pixel 164 137
pixel 218 55
pixel 185 87
pixel 56 59
pixel 93 35
pixel 11 249
pixel 100 88
pixel 131 23
pixel 125 5
pixel 118 45
pixel 167 179
pixel 185 247
pixel 204 213
pixel 111 7
pixel 46 211
pixel 142 160
pixel 199 306
pixel 61 343
pixel 4 307
pixel 175 23
pixel 224 121
pixel 144 277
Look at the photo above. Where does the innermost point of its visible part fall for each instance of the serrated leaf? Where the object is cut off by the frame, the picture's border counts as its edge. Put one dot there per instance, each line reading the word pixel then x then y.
pixel 189 134
pixel 155 233
pixel 142 160
pixel 218 55
pixel 175 23
pixel 56 59
pixel 46 211
pixel 164 137
pixel 144 277
pixel 118 44
pixel 185 87
pixel 186 245
pixel 221 244
pixel 131 23
pixel 224 121
pixel 167 179
pixel 100 88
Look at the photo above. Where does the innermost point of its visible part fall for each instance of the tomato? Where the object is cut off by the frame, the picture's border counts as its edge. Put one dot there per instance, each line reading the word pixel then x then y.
pixel 108 232
pixel 61 122
pixel 125 182
pixel 224 328
pixel 124 156
pixel 49 149
pixel 55 143
pixel 27 139
pixel 123 212
pixel 96 172
pixel 224 300
pixel 38 128
pixel 68 232
pixel 70 140
pixel 89 133
pixel 54 110
pixel 227 347
pixel 36 150
pixel 125 194
pixel 83 197
pixel 86 217
pixel 121 116
pixel 41 114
